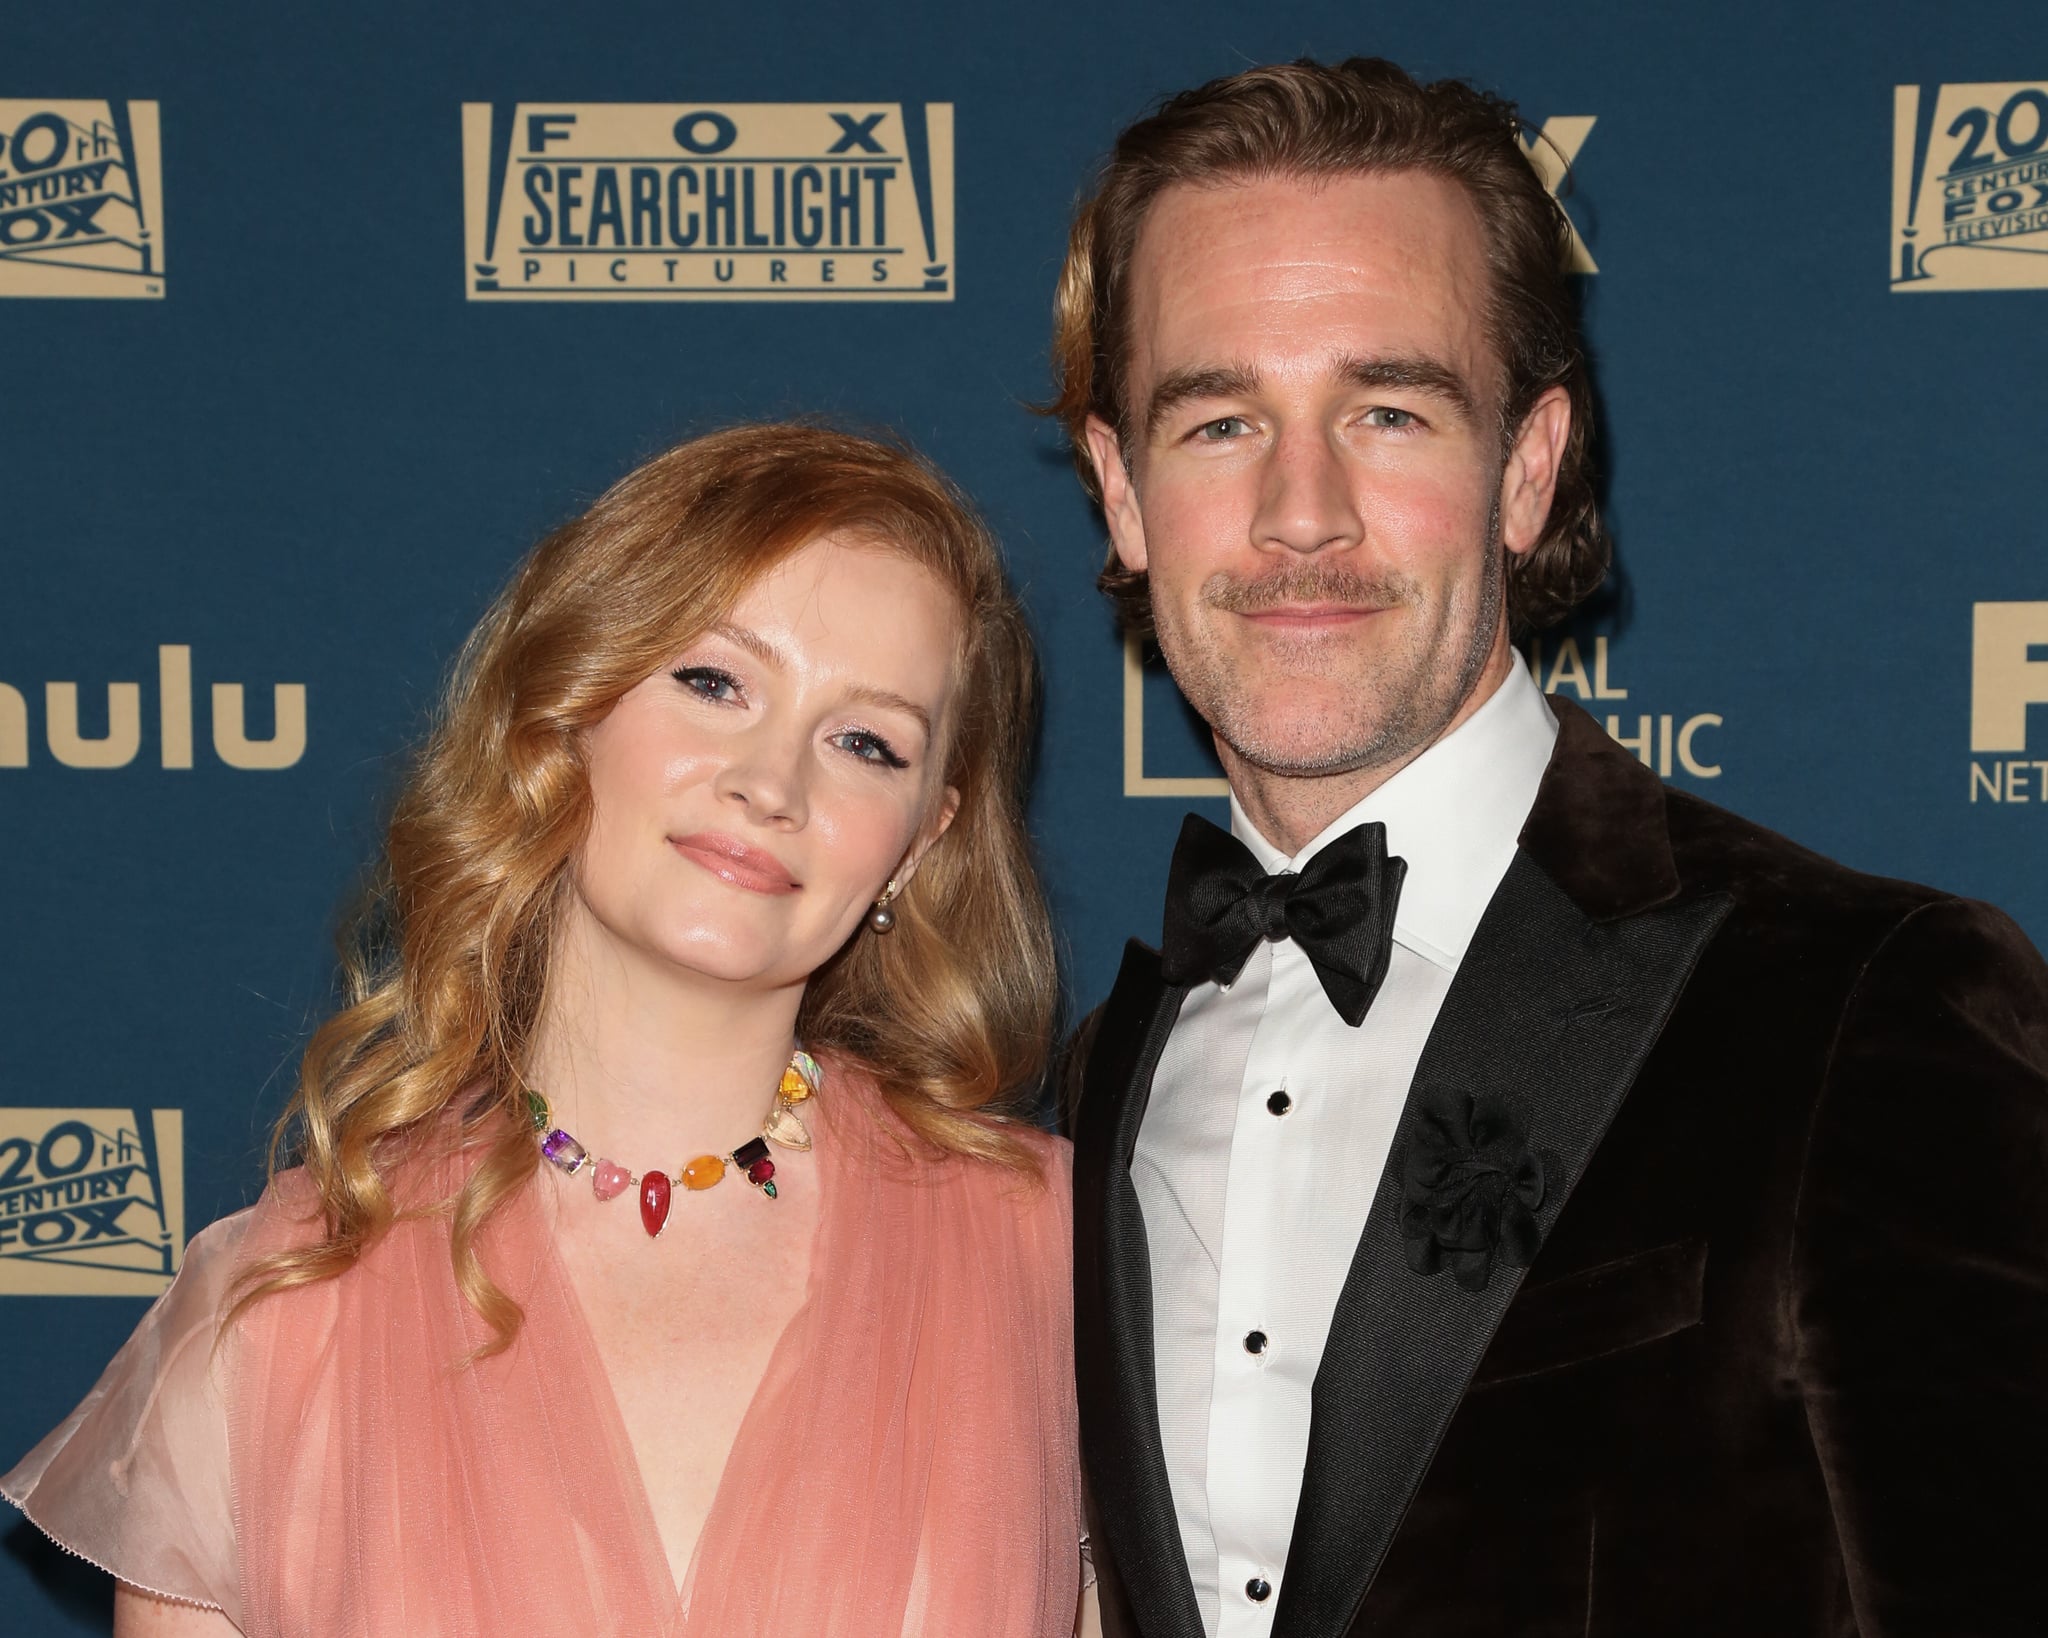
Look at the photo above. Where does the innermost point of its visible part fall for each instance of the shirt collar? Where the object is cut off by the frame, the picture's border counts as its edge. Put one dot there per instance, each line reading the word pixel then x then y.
pixel 1454 814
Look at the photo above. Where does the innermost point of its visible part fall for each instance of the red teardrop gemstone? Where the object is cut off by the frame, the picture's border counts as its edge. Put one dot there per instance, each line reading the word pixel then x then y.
pixel 654 1193
pixel 760 1172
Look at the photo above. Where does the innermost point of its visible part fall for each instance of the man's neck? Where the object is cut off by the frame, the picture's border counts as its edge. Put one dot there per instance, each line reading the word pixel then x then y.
pixel 1292 810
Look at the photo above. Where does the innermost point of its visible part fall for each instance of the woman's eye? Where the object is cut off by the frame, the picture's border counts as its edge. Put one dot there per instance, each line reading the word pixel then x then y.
pixel 870 747
pixel 1222 429
pixel 709 681
pixel 1391 420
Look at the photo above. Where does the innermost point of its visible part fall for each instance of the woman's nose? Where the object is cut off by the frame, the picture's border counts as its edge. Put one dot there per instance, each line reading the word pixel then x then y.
pixel 765 775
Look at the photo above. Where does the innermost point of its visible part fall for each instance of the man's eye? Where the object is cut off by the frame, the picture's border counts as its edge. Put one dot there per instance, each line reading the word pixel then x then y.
pixel 709 681
pixel 1391 420
pixel 1223 429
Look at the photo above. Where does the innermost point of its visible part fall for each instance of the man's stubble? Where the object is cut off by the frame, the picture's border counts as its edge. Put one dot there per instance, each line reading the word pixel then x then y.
pixel 1404 700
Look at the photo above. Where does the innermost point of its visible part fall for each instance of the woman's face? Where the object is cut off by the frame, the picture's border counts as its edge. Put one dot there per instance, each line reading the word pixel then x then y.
pixel 753 798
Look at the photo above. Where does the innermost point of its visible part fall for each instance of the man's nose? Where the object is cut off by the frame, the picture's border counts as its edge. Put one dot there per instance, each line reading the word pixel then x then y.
pixel 1305 498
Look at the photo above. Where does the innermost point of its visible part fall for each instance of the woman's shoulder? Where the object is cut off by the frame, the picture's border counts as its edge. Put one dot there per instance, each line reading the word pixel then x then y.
pixel 136 1479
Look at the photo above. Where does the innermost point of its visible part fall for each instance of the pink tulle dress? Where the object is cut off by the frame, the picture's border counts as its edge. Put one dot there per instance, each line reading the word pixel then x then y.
pixel 907 1466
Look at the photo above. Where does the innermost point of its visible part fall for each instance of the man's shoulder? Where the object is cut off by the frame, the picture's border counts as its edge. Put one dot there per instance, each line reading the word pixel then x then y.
pixel 1811 922
pixel 1721 851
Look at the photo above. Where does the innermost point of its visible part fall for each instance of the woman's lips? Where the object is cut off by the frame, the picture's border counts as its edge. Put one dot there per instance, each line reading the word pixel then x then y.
pixel 731 860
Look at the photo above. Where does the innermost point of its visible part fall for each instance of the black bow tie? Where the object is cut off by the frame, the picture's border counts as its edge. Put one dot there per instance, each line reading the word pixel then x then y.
pixel 1340 910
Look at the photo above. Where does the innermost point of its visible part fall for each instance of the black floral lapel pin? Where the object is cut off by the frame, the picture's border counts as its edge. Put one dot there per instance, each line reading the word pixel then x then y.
pixel 1470 1187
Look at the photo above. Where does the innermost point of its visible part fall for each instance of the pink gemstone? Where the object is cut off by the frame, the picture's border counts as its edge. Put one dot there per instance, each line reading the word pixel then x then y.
pixel 654 1195
pixel 608 1182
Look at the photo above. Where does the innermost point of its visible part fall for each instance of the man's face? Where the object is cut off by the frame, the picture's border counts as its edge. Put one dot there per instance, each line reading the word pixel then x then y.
pixel 1315 484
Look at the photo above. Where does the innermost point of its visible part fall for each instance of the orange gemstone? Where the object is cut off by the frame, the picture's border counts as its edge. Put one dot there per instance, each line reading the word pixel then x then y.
pixel 794 1087
pixel 702 1172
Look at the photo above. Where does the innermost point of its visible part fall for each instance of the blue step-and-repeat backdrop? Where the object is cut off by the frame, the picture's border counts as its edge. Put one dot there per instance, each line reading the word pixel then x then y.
pixel 311 319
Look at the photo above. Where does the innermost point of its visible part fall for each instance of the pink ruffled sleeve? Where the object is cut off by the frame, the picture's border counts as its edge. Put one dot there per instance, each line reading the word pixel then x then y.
pixel 136 1479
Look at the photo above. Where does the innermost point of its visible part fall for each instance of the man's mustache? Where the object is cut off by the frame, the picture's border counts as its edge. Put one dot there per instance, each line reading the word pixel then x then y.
pixel 1305 583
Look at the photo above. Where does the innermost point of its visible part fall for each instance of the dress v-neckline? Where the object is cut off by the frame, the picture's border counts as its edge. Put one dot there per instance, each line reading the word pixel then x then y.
pixel 604 1407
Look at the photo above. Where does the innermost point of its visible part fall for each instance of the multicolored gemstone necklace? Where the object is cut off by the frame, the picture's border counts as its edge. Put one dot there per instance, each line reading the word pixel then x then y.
pixel 784 1127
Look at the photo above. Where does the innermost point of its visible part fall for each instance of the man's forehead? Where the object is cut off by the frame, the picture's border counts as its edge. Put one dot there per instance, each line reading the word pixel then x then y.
pixel 1307 265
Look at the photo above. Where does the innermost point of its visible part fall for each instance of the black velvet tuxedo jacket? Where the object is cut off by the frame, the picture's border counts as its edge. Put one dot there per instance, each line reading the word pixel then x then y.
pixel 1780 1365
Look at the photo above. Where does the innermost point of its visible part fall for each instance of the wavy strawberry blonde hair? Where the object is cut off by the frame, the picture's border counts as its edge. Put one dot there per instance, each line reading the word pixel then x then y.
pixel 446 966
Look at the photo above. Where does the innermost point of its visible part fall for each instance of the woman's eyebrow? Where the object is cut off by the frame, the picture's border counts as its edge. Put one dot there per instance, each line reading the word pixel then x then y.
pixel 753 642
pixel 889 700
pixel 768 654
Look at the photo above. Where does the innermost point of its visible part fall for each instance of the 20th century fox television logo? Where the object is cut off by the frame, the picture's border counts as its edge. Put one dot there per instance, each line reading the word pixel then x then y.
pixel 708 201
pixel 92 1201
pixel 81 199
pixel 1970 187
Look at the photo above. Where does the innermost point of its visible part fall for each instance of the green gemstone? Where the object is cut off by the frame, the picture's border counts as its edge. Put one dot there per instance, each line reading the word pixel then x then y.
pixel 768 1188
pixel 536 1110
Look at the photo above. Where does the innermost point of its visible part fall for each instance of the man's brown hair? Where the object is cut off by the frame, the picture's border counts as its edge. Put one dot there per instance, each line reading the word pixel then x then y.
pixel 1310 119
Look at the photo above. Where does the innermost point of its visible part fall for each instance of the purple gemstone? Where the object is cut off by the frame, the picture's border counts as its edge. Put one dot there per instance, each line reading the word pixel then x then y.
pixel 558 1148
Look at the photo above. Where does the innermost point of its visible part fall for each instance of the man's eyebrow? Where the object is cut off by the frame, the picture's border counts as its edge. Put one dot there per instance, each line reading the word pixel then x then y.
pixel 768 654
pixel 1411 372
pixel 1178 387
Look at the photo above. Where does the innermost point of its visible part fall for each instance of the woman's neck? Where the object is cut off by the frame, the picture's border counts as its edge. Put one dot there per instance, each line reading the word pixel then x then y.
pixel 640 1059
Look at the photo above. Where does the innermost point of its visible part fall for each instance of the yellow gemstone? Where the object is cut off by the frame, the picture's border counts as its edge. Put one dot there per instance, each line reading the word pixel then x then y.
pixel 702 1172
pixel 794 1087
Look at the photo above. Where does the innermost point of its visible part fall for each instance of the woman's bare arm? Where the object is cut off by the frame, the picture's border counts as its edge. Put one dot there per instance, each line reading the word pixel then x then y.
pixel 137 1615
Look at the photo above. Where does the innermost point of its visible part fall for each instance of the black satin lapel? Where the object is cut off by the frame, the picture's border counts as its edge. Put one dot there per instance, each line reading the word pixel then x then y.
pixel 1552 1014
pixel 1114 1374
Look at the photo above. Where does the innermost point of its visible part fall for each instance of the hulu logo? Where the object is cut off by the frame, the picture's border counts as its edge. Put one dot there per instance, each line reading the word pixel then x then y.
pixel 121 743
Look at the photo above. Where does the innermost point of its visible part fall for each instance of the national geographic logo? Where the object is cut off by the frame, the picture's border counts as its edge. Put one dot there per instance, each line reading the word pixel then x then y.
pixel 81 199
pixel 737 201
pixel 1670 742
pixel 1970 187
pixel 2008 673
pixel 69 717
pixel 92 1201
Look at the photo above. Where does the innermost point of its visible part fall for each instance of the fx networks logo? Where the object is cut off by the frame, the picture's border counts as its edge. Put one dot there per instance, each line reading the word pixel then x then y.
pixel 81 199
pixel 92 1201
pixel 2008 673
pixel 1970 187
pixel 737 201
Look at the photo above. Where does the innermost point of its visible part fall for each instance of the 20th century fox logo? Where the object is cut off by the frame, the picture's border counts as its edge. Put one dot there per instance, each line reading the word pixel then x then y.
pixel 708 201
pixel 92 1201
pixel 81 199
pixel 1970 187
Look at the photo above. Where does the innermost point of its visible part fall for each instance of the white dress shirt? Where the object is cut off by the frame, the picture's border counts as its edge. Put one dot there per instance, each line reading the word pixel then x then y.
pixel 1269 1125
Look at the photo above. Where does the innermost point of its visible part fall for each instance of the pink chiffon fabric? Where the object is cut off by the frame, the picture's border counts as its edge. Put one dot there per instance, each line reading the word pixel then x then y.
pixel 907 1466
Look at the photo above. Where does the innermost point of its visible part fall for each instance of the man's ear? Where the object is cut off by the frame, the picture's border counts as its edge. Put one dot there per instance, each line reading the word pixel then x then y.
pixel 1529 483
pixel 1119 495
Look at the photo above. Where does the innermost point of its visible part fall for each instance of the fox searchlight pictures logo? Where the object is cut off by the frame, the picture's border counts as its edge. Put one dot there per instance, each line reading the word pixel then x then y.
pixel 1970 187
pixel 81 199
pixel 708 201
